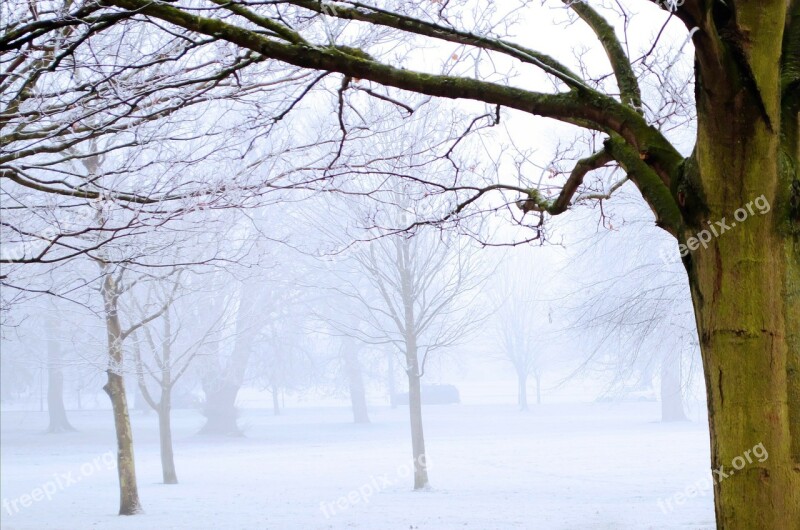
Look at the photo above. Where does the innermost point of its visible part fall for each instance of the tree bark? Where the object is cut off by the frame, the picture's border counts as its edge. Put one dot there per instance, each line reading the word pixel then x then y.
pixel 745 285
pixel 742 323
pixel 671 390
pixel 355 380
pixel 128 490
pixel 55 382
pixel 115 388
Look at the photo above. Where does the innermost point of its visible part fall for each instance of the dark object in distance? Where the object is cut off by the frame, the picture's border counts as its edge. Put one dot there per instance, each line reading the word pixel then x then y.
pixel 431 395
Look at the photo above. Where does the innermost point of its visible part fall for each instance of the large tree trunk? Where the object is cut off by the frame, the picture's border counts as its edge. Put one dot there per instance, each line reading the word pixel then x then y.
pixel 115 388
pixel 671 389
pixel 220 409
pixel 746 283
pixel 522 389
pixel 165 437
pixel 742 321
pixel 55 382
pixel 355 381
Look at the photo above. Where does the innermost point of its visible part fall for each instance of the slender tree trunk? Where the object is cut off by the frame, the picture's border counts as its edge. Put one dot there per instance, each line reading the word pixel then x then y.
pixel 115 388
pixel 276 401
pixel 746 283
pixel 355 380
pixel 538 378
pixel 522 390
pixel 391 383
pixel 415 413
pixel 671 390
pixel 413 368
pixel 128 490
pixel 165 436
pixel 163 407
pixel 55 382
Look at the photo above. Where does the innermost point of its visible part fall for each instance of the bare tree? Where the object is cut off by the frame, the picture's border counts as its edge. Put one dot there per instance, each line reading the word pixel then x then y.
pixel 523 321
pixel 171 350
pixel 638 308
pixel 225 376
pixel 112 288
pixel 343 363
pixel 262 292
pixel 415 297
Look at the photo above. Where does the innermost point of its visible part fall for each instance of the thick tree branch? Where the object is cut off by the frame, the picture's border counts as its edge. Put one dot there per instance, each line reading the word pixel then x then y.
pixel 281 30
pixel 593 109
pixel 620 63
pixel 657 195
pixel 581 169
pixel 373 15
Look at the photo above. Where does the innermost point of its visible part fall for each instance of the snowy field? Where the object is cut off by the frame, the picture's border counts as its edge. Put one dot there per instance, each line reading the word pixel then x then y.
pixel 589 466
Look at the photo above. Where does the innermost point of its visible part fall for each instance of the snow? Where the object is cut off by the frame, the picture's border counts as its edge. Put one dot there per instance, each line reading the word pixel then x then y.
pixel 559 466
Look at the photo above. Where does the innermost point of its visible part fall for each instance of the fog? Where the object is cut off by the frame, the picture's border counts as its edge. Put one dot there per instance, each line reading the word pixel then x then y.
pixel 305 265
pixel 276 393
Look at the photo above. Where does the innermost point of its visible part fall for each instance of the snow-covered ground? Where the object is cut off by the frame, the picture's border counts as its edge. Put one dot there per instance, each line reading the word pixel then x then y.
pixel 560 466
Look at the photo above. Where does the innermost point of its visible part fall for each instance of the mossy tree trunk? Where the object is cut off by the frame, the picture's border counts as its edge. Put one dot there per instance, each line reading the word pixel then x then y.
pixel 744 284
